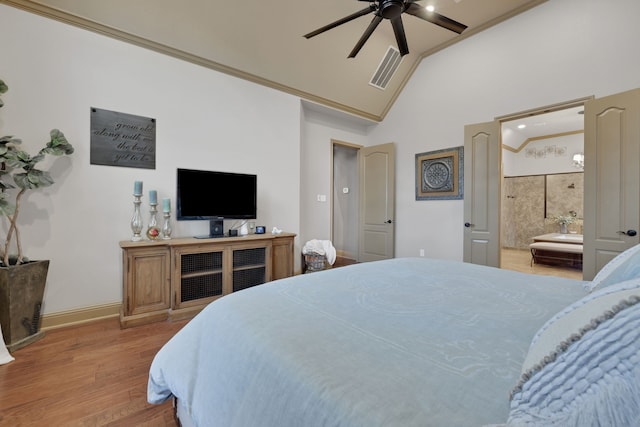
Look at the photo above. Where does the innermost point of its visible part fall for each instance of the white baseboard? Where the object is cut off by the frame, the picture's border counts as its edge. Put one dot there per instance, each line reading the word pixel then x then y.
pixel 81 315
pixel 345 254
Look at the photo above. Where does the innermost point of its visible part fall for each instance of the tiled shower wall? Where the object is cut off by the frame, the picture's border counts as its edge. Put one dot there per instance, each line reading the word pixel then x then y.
pixel 523 206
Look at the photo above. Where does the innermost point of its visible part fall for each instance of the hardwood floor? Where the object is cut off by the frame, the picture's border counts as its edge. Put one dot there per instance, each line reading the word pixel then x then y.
pixel 87 375
pixel 520 260
pixel 342 261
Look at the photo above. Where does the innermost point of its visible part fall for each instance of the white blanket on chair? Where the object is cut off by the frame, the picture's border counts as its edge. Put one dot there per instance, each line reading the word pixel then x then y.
pixel 5 357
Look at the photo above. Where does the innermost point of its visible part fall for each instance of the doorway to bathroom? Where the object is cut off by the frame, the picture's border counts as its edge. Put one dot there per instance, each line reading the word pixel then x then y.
pixel 611 195
pixel 542 190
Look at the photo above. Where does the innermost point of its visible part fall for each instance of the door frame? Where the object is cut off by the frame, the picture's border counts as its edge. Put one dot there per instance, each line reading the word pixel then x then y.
pixel 357 147
pixel 359 211
pixel 579 102
pixel 491 257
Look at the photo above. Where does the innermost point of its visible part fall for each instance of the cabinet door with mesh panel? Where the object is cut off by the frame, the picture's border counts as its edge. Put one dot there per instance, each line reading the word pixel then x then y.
pixel 199 275
pixel 250 266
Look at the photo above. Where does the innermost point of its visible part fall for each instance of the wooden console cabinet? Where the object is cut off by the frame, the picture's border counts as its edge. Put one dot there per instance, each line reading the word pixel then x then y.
pixel 175 279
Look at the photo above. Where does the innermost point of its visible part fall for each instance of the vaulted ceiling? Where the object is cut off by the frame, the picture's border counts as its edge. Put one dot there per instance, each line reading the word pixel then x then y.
pixel 262 41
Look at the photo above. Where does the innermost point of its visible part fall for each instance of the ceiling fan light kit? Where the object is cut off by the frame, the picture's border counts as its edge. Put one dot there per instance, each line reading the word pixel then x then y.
pixel 391 10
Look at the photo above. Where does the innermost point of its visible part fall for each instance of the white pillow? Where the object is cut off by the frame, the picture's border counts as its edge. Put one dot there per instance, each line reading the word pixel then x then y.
pixel 625 266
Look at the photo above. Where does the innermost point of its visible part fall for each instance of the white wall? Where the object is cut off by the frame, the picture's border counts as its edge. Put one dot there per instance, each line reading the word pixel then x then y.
pixel 559 51
pixel 205 120
pixel 553 155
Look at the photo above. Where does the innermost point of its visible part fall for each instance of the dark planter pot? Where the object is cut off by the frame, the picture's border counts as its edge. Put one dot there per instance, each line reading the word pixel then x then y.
pixel 21 294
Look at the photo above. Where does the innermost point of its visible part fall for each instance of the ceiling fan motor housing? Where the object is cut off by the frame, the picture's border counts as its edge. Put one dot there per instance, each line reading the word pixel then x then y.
pixel 390 9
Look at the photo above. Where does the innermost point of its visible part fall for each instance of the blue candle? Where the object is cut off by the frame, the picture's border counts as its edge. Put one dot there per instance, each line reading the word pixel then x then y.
pixel 153 197
pixel 137 188
pixel 166 205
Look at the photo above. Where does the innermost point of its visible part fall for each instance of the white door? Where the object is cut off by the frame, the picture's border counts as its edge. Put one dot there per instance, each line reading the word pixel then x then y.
pixel 482 176
pixel 611 178
pixel 377 202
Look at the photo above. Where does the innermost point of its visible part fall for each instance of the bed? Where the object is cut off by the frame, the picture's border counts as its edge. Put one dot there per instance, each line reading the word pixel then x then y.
pixel 403 342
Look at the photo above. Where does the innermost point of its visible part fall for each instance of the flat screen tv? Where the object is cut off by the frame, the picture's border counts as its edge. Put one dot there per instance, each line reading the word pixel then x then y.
pixel 215 196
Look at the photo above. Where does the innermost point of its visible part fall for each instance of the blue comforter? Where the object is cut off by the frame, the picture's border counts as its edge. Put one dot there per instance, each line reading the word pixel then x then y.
pixel 402 342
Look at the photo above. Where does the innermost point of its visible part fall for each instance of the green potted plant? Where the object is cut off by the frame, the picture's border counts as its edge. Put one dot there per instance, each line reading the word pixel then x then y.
pixel 22 281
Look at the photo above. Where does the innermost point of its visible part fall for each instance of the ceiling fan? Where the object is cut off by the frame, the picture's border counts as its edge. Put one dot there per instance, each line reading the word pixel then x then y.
pixel 391 10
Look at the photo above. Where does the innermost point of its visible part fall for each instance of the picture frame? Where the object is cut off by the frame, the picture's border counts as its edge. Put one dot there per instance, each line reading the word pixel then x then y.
pixel 440 174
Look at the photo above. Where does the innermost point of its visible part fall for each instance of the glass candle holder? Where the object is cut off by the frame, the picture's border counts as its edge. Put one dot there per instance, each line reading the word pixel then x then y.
pixel 136 219
pixel 153 232
pixel 166 226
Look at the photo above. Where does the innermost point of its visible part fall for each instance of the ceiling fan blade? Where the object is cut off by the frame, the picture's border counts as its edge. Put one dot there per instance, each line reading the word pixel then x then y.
pixel 367 33
pixel 401 38
pixel 435 18
pixel 344 20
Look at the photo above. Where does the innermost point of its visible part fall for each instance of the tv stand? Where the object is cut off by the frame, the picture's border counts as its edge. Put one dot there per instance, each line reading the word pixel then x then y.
pixel 208 236
pixel 175 279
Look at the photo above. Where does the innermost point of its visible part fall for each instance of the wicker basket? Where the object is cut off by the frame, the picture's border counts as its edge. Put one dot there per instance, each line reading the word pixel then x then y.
pixel 315 262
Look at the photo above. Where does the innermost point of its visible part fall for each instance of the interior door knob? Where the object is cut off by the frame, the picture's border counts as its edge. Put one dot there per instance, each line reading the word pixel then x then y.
pixel 388 221
pixel 468 224
pixel 629 233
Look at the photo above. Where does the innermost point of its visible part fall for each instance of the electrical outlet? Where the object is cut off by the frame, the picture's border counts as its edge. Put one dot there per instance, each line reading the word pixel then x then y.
pixel 421 252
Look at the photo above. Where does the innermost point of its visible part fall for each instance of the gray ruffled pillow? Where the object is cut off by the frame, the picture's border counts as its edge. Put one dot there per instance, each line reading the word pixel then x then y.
pixel 592 376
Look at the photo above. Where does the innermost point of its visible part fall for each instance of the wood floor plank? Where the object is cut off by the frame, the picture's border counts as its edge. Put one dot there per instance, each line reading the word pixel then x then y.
pixel 520 260
pixel 87 375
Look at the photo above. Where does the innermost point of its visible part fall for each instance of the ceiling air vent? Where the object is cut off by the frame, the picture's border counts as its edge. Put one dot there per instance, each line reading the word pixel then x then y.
pixel 386 69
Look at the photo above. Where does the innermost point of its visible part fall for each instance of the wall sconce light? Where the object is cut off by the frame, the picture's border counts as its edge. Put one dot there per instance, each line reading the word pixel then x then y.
pixel 578 160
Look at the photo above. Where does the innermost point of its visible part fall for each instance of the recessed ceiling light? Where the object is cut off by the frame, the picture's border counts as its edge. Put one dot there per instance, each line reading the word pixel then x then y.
pixel 430 8
pixel 522 126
